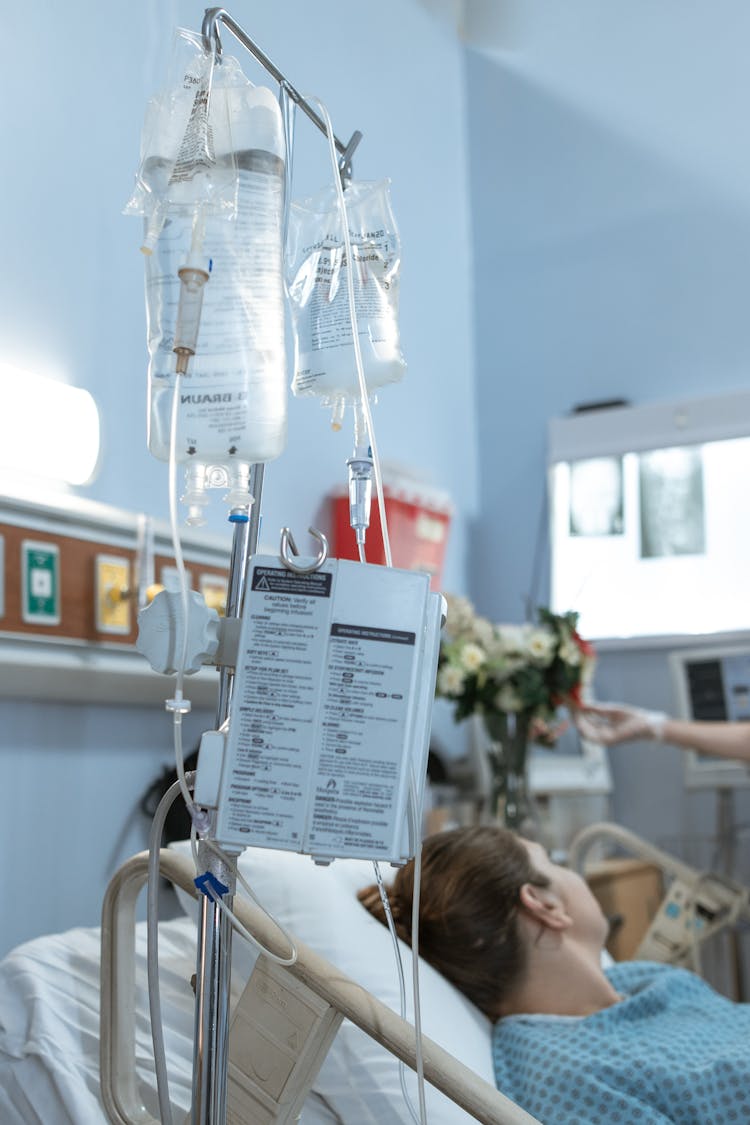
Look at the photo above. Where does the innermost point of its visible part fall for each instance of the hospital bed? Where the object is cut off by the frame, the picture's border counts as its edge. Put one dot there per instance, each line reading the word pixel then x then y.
pixel 49 1006
pixel 50 1043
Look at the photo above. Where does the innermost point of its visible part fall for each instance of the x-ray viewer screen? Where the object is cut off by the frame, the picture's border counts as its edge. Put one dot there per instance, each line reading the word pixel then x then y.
pixel 654 543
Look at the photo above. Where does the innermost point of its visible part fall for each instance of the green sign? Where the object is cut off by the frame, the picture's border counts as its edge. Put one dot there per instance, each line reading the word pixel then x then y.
pixel 40 569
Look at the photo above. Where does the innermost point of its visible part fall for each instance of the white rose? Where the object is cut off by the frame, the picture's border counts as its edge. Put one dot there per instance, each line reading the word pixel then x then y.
pixel 450 680
pixel 570 653
pixel 541 646
pixel 460 615
pixel 484 632
pixel 495 648
pixel 511 639
pixel 472 657
pixel 507 699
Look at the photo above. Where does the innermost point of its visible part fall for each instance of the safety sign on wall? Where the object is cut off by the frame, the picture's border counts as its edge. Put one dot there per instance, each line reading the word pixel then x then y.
pixel 40 577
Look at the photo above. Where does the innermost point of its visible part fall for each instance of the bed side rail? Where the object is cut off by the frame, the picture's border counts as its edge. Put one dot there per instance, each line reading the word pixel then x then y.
pixel 282 1026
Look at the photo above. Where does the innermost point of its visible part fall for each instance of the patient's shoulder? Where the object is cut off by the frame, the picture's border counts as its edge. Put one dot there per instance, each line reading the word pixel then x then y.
pixel 669 982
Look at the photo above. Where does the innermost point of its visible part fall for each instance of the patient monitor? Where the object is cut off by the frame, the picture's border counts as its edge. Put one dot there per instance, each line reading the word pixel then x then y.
pixel 713 684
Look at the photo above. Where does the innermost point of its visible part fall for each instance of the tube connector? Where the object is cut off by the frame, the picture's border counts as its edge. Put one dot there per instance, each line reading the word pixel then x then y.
pixel 177 705
pixel 192 281
pixel 193 277
pixel 360 495
pixel 337 413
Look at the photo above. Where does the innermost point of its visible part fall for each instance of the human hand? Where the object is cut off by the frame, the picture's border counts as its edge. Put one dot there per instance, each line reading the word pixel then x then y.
pixel 612 723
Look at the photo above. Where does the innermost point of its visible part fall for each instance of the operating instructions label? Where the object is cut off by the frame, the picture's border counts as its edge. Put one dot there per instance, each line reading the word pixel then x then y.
pixel 363 717
pixel 319 728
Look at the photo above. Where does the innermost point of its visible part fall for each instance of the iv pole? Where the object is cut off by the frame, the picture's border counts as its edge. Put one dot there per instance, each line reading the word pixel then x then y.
pixel 213 966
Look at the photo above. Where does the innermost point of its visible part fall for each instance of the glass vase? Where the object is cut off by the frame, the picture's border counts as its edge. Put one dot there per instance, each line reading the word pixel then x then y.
pixel 511 803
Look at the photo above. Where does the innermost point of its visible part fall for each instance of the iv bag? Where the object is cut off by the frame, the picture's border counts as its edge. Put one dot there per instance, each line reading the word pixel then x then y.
pixel 183 126
pixel 232 400
pixel 324 360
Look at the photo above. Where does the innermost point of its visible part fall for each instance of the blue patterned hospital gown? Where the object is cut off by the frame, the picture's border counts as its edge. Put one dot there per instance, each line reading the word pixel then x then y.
pixel 672 1050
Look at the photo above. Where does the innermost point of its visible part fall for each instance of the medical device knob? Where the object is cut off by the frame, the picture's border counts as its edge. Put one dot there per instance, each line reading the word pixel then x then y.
pixel 160 632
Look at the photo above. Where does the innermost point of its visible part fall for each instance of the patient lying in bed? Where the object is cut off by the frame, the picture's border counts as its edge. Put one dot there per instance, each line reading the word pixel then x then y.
pixel 574 1044
pixel 518 937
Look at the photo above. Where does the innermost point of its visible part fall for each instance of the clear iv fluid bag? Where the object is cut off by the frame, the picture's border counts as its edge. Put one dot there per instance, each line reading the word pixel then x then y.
pixel 232 404
pixel 324 361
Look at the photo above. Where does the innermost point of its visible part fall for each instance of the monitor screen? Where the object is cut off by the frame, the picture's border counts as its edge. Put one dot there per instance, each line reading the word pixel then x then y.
pixel 713 685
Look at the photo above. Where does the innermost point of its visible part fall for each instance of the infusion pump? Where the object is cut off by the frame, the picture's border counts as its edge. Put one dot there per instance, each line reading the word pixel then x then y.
pixel 329 726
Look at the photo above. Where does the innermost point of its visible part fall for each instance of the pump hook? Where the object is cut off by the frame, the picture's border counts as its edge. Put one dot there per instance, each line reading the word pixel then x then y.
pixel 288 544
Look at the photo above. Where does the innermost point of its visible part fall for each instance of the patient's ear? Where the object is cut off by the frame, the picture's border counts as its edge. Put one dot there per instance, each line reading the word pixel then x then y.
pixel 545 906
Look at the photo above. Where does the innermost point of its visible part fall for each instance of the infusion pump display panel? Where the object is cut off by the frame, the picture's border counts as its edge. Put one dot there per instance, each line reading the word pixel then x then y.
pixel 713 685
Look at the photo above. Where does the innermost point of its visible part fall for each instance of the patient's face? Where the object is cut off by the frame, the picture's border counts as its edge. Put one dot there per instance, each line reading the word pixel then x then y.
pixel 589 923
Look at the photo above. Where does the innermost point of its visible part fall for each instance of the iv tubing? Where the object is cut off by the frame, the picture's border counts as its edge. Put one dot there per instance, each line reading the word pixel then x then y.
pixel 415 947
pixel 178 705
pixel 366 411
pixel 355 335
pixel 178 556
pixel 401 982
pixel 152 946
pixel 236 924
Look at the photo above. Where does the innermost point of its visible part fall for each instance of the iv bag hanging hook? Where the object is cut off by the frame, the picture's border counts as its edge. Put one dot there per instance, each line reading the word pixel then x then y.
pixel 210 32
pixel 288 545
pixel 212 42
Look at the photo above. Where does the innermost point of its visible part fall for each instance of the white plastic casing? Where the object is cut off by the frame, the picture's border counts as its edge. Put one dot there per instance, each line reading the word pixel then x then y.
pixel 160 631
pixel 208 776
pixel 331 710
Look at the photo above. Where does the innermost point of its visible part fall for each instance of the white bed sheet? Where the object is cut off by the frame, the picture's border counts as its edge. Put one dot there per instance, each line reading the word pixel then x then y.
pixel 49 1028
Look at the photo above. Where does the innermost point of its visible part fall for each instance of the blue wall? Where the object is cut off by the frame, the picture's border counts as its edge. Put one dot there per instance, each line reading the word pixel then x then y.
pixel 604 269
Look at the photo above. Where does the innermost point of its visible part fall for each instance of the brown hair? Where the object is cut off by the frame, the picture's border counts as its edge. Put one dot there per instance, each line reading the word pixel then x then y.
pixel 468 909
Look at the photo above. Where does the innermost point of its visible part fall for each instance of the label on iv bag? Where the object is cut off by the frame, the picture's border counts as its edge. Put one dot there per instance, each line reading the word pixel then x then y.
pixel 232 402
pixel 322 718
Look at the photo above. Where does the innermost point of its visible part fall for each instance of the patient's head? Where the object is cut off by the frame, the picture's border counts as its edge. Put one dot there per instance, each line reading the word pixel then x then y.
pixel 487 897
pixel 468 908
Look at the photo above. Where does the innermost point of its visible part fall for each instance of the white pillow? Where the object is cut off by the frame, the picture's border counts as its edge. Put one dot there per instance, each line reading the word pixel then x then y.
pixel 360 1079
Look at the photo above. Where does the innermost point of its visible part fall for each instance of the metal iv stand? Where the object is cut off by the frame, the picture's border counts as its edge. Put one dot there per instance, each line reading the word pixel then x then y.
pixel 210 1049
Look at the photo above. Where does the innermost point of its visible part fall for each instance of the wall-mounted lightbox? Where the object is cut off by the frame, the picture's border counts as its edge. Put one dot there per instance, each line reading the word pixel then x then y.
pixel 650 518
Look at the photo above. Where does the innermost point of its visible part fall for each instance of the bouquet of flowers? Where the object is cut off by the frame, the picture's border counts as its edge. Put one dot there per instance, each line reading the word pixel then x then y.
pixel 502 669
pixel 516 677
